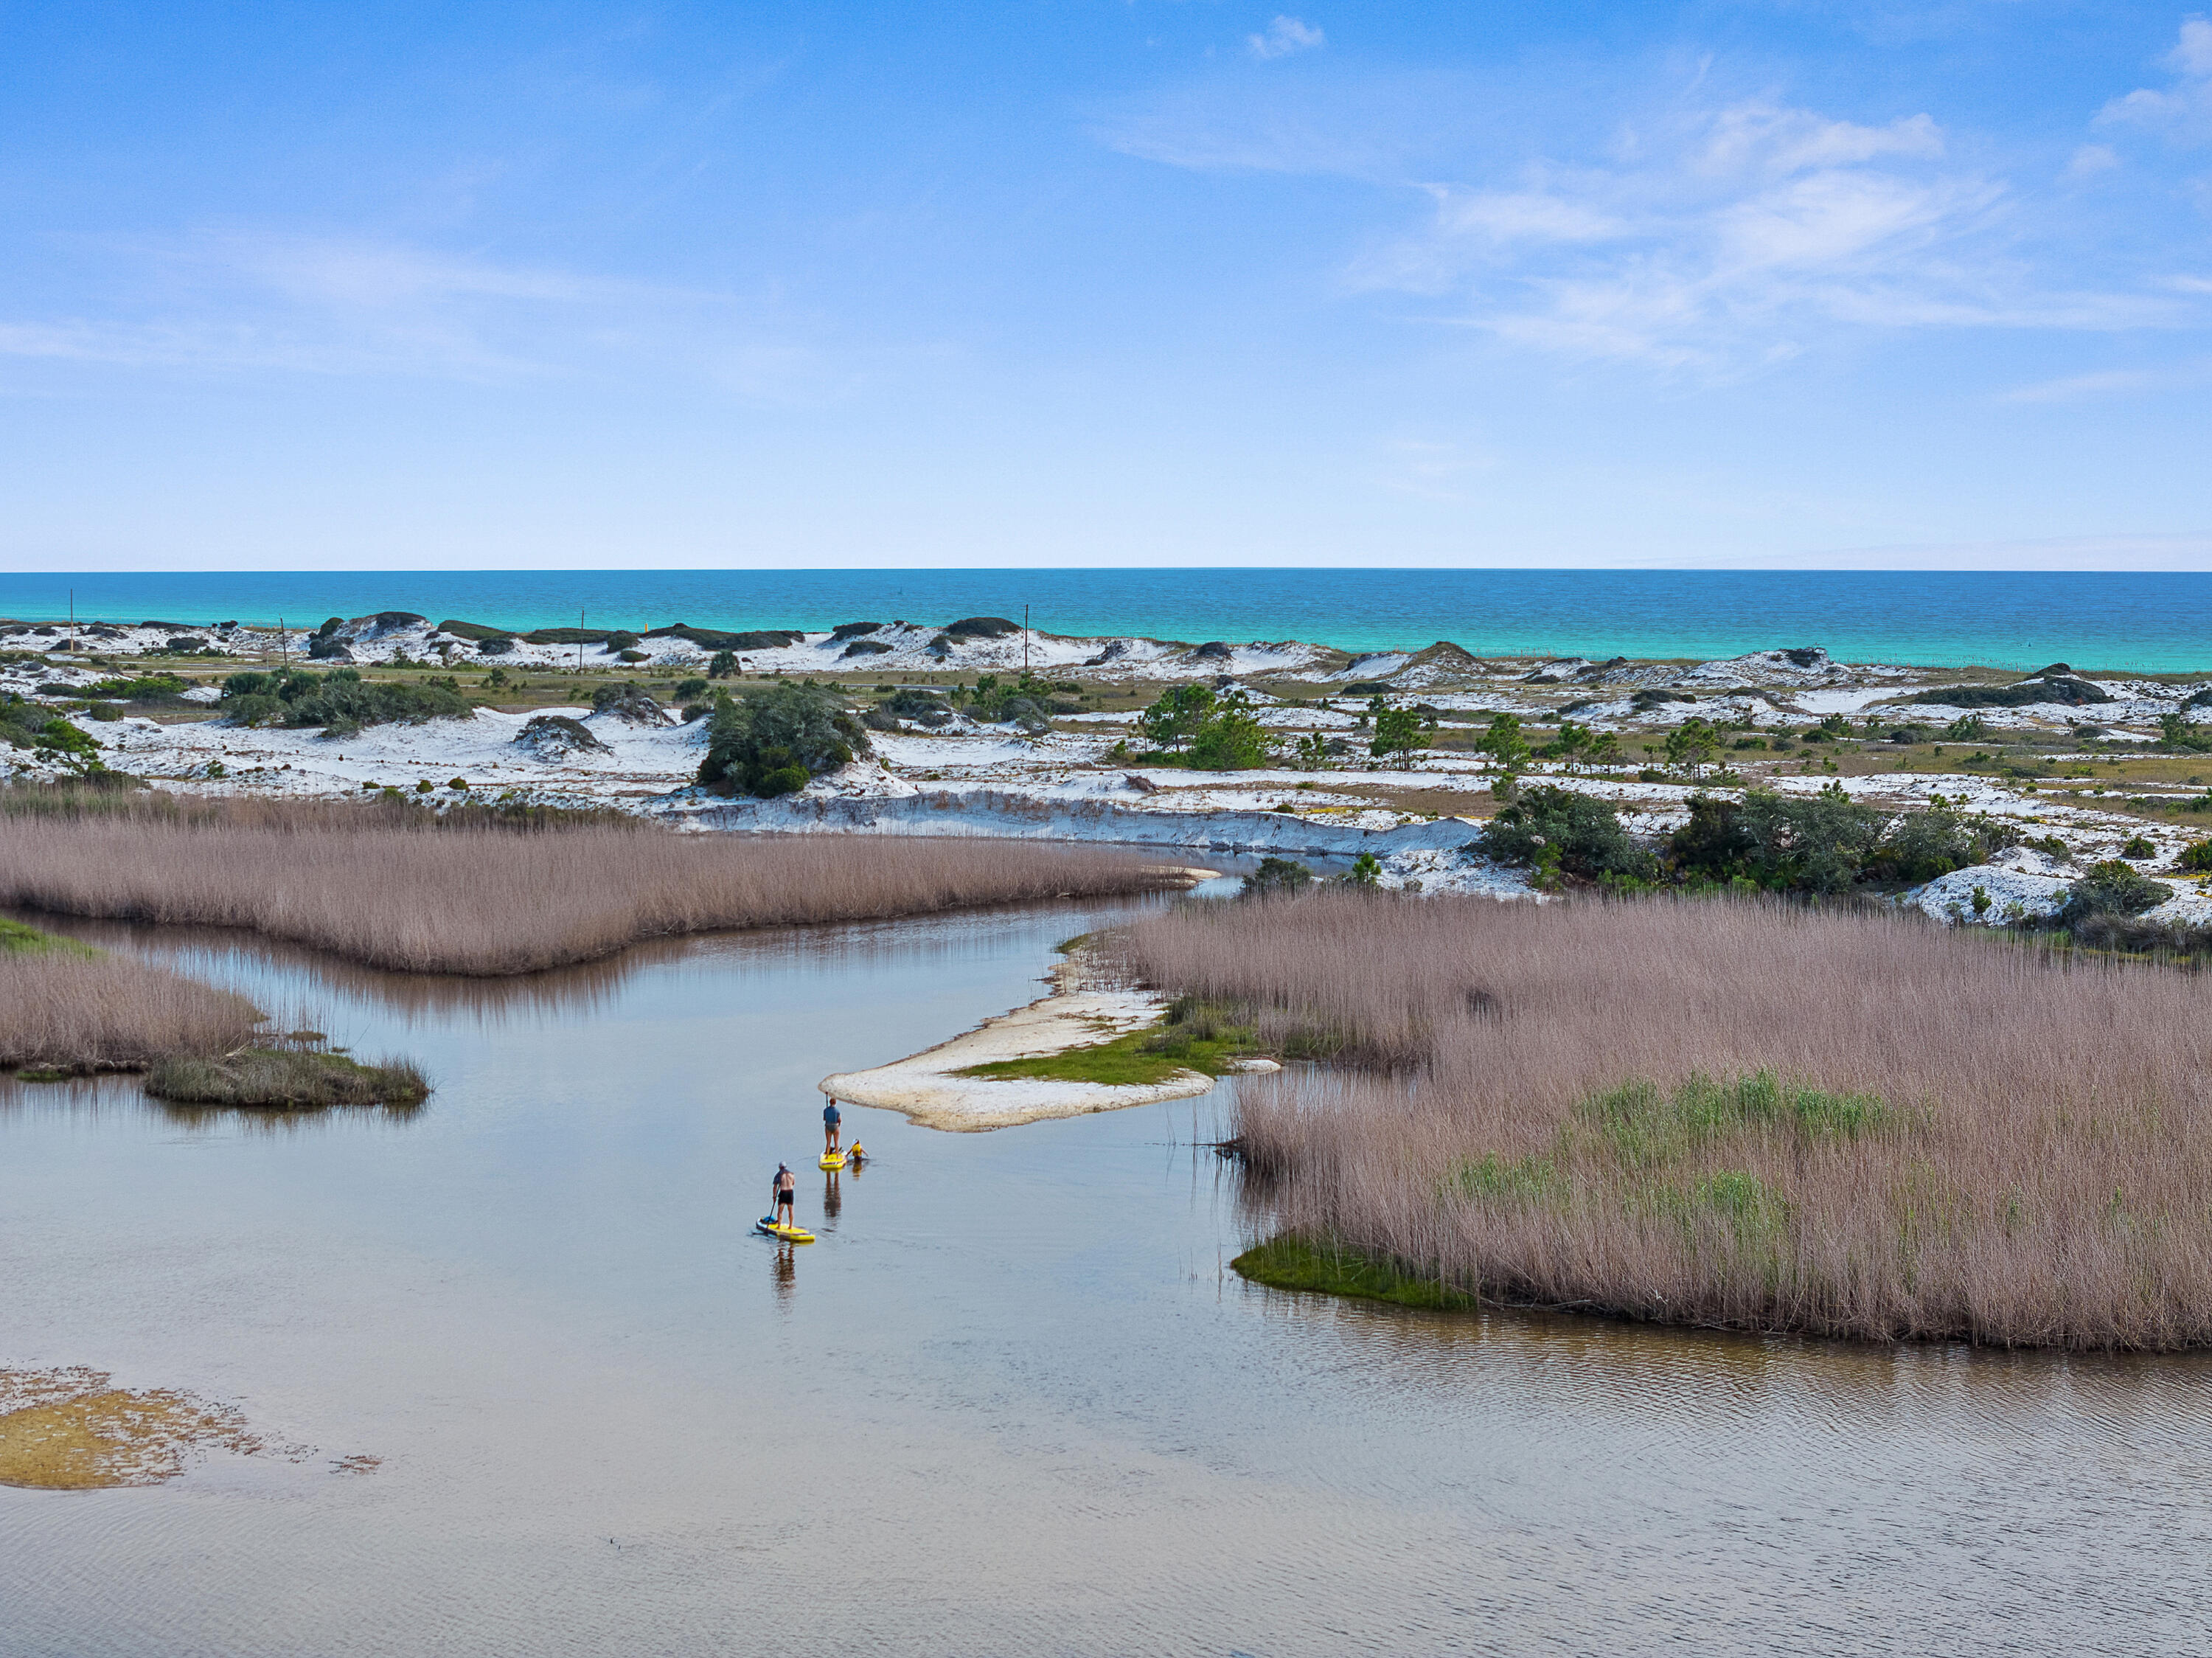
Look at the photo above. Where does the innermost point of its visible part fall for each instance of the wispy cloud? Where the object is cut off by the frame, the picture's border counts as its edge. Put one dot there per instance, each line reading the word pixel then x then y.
pixel 233 301
pixel 2089 160
pixel 1714 237
pixel 1728 241
pixel 1283 37
pixel 2113 383
pixel 2182 110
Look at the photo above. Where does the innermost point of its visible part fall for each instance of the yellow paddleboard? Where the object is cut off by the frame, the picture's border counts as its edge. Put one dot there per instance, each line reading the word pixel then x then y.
pixel 796 1235
pixel 833 1160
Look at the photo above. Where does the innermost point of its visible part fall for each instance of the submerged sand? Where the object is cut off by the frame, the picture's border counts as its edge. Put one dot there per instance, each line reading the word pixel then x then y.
pixel 68 1430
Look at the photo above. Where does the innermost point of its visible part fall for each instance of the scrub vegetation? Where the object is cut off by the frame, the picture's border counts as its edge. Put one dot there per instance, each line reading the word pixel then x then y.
pixel 1735 1113
pixel 483 891
pixel 1195 1036
pixel 288 1078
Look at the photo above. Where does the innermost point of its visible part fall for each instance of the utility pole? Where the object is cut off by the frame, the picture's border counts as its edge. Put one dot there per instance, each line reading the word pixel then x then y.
pixel 283 645
pixel 580 641
pixel 1026 641
pixel 72 621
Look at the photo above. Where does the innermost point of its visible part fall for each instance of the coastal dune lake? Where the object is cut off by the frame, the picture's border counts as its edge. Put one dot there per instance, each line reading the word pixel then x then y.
pixel 525 1383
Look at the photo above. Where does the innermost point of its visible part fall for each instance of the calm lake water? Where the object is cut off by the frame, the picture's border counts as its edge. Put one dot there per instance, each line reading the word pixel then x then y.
pixel 1013 1401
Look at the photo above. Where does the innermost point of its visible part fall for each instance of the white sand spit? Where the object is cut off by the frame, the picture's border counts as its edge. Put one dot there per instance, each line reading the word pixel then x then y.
pixel 927 1087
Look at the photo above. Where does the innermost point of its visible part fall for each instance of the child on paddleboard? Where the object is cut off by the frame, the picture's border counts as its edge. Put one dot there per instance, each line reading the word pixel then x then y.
pixel 830 1119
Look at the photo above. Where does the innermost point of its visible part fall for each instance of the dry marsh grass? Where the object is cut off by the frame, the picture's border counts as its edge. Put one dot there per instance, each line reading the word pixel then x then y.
pixel 385 886
pixel 80 1010
pixel 1730 1115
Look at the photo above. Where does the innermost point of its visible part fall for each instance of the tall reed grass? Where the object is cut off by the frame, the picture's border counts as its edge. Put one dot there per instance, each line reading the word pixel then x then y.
pixel 74 1010
pixel 387 886
pixel 1727 1114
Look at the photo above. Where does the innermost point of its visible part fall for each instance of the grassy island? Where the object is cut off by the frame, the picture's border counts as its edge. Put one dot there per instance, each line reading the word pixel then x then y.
pixel 1725 1113
pixel 289 1078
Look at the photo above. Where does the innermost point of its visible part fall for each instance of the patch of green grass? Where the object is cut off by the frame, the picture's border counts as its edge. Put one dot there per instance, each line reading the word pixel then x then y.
pixel 1195 1036
pixel 43 1074
pixel 1525 1180
pixel 1294 1262
pixel 286 1078
pixel 1646 1126
pixel 16 939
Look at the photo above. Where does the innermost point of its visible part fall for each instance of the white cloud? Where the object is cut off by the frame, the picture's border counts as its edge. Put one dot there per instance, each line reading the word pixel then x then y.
pixel 2182 110
pixel 1733 240
pixel 1285 36
pixel 2089 160
pixel 2111 383
pixel 239 300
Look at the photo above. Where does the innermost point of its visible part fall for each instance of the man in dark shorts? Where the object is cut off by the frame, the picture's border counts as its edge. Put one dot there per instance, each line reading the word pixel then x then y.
pixel 831 1120
pixel 786 1187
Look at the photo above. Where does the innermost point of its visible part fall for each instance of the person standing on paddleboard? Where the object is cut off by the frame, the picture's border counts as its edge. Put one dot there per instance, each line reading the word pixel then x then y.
pixel 787 1188
pixel 830 1121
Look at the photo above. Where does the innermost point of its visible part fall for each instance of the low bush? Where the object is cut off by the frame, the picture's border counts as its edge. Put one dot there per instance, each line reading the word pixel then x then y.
pixel 1557 828
pixel 1276 877
pixel 2060 688
pixel 771 742
pixel 341 701
pixel 2196 857
pixel 2111 888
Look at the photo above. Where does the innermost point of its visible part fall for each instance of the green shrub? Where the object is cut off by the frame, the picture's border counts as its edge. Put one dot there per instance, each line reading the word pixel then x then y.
pixel 2111 887
pixel 145 688
pixel 1277 877
pixel 1232 739
pixel 723 664
pixel 617 641
pixel 757 741
pixel 2138 847
pixel 690 690
pixel 1397 730
pixel 1366 871
pixel 340 701
pixel 2196 857
pixel 1820 843
pixel 1584 833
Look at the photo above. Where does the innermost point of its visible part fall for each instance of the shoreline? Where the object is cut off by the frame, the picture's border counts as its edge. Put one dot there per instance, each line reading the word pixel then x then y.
pixel 927 1088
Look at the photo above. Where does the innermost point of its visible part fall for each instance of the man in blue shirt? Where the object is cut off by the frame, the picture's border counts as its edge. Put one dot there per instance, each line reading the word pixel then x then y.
pixel 830 1119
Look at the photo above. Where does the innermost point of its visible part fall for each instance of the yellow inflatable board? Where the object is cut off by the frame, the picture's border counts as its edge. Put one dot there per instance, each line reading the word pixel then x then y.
pixel 833 1160
pixel 796 1235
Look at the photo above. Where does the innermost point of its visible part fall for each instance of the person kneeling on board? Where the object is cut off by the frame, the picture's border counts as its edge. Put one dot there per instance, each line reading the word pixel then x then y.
pixel 787 1188
pixel 830 1122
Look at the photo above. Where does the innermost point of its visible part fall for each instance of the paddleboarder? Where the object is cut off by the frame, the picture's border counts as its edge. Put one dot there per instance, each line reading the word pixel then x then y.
pixel 831 1120
pixel 787 1188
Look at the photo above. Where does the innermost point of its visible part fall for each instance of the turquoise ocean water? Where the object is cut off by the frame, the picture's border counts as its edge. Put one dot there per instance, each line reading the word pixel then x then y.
pixel 2150 622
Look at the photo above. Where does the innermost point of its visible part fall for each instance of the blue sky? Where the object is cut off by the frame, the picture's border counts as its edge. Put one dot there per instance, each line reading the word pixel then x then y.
pixel 1106 282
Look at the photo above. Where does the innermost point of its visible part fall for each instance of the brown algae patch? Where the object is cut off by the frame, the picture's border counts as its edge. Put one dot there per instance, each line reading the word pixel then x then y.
pixel 69 1430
